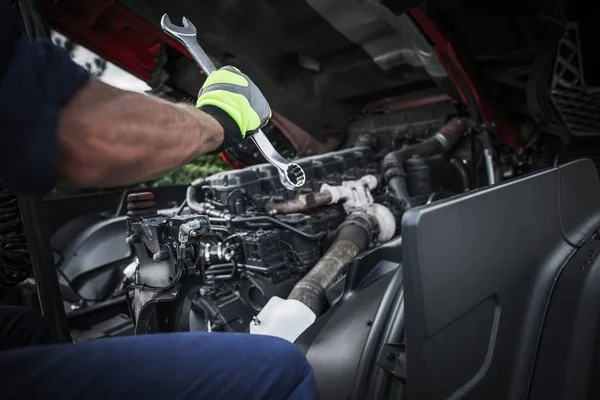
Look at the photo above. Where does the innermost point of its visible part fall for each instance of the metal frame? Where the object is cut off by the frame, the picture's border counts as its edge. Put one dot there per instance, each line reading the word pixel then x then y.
pixel 34 221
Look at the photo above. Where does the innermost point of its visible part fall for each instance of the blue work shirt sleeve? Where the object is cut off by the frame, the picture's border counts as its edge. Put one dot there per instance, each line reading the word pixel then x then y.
pixel 36 80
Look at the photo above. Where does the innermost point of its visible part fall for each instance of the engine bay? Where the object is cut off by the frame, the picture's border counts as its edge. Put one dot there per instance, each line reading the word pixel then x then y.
pixel 439 176
pixel 250 254
pixel 240 239
pixel 243 239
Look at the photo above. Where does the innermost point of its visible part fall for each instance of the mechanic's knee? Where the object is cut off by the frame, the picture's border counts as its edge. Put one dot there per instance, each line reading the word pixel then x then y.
pixel 295 373
pixel 291 359
pixel 20 326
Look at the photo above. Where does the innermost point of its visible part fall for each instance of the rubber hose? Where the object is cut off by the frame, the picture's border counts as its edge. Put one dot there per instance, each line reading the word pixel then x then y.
pixel 191 196
pixel 462 171
pixel 393 166
pixel 393 163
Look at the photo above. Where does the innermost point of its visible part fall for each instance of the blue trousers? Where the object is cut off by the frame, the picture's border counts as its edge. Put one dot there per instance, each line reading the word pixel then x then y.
pixel 159 366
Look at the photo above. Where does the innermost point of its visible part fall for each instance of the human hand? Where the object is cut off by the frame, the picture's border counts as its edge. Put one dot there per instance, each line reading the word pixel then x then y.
pixel 229 96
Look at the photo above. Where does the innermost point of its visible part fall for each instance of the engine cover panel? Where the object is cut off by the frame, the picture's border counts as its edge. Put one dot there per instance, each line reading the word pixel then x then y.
pixel 480 269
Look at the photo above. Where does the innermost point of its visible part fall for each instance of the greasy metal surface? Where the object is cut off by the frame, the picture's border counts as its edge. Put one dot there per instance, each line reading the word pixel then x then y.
pixel 301 203
pixel 329 268
pixel 141 204
pixel 310 290
pixel 291 175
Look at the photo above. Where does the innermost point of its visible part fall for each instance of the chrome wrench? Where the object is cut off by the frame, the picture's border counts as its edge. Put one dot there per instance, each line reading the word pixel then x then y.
pixel 291 175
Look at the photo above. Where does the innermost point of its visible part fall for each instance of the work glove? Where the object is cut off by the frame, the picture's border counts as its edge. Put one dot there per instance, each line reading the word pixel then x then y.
pixel 235 102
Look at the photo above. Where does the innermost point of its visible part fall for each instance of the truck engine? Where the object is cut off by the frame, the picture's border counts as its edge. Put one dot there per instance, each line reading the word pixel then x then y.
pixel 241 239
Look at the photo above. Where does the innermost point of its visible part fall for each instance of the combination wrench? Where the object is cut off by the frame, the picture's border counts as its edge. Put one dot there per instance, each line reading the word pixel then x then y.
pixel 291 175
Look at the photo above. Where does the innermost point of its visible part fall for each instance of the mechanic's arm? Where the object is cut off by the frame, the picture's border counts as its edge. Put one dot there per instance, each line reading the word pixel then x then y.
pixel 110 137
pixel 57 124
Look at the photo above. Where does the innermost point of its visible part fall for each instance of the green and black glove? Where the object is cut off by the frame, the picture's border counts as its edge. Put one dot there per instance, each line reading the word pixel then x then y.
pixel 235 102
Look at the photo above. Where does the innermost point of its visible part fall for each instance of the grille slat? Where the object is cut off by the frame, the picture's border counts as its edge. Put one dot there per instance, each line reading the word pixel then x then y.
pixel 578 108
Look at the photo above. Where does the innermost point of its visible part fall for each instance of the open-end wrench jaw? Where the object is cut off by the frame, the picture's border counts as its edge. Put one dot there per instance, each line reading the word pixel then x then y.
pixel 188 28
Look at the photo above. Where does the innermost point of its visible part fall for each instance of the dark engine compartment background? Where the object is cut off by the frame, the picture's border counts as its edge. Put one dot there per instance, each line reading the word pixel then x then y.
pixel 266 39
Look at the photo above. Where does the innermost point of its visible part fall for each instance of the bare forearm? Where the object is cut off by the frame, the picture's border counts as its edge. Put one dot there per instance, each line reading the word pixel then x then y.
pixel 111 137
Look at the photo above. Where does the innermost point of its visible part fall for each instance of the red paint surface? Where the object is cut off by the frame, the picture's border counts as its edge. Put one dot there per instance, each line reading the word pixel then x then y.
pixel 230 161
pixel 112 31
pixel 460 73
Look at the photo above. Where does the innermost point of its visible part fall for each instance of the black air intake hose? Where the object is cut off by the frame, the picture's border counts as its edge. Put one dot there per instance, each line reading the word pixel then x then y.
pixel 15 262
pixel 393 163
pixel 352 238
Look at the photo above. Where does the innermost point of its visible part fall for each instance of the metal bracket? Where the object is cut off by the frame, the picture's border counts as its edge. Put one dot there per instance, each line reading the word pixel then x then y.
pixel 392 358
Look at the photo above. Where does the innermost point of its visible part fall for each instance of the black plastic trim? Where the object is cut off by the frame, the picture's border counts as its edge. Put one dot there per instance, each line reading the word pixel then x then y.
pixel 479 272
pixel 567 350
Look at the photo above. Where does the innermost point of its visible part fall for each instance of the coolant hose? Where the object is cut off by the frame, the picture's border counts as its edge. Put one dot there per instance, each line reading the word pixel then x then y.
pixel 393 163
pixel 393 166
pixel 353 237
pixel 191 196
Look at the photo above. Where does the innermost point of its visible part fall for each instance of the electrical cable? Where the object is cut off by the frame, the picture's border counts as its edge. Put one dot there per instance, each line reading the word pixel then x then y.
pixel 122 202
pixel 219 268
pixel 224 277
pixel 264 218
pixel 181 207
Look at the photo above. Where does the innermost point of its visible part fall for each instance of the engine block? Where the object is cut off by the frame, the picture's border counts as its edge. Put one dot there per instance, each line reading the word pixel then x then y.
pixel 249 255
pixel 240 190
